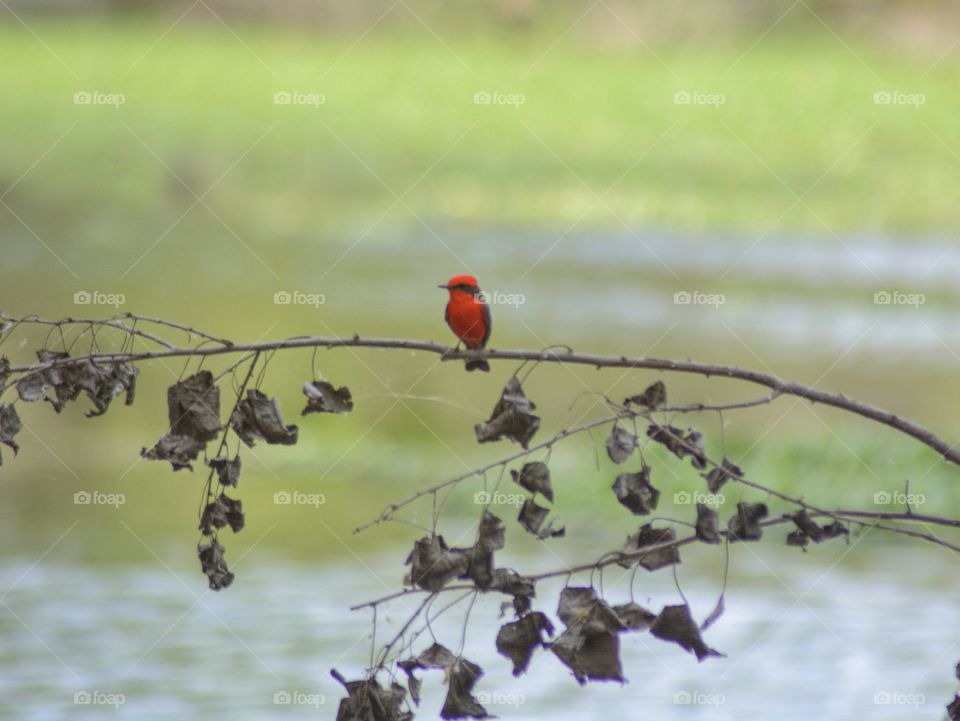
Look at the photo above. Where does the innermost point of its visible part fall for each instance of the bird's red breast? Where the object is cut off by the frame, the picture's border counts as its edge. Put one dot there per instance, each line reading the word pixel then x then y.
pixel 467 314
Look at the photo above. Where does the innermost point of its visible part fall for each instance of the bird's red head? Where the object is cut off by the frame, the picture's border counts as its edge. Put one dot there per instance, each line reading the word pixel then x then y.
pixel 462 283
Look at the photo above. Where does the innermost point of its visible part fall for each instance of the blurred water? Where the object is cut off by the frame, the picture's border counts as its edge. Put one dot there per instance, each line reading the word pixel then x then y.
pixel 789 294
pixel 880 629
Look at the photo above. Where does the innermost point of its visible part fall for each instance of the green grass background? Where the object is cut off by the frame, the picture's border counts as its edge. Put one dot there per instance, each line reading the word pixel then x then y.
pixel 399 150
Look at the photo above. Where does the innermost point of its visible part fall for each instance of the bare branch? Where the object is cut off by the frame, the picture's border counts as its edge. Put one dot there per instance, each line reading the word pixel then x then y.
pixel 709 370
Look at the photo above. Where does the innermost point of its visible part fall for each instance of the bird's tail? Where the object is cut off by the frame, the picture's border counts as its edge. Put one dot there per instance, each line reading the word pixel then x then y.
pixel 478 365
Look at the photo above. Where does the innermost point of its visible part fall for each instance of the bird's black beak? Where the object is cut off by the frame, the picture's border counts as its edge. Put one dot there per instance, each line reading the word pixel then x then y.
pixel 445 287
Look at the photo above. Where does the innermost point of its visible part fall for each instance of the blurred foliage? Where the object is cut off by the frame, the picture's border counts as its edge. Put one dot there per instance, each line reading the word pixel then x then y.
pixel 97 196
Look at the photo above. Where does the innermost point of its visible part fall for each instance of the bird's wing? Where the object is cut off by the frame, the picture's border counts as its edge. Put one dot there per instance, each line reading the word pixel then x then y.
pixel 488 321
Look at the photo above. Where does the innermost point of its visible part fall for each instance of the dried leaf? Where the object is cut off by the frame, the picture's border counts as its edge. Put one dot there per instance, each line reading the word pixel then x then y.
pixel 367 701
pixel 953 709
pixel 433 564
pixel 4 370
pixel 258 417
pixel 621 444
pixel 193 410
pixel 694 448
pixel 634 491
pixel 590 646
pixel 719 475
pixel 179 450
pixel 506 580
pixel 834 529
pixel 34 386
pixel 807 527
pixel 595 657
pixel 518 640
pixel 460 702
pixel 322 397
pixel 798 538
pixel 491 537
pixel 512 417
pixel 193 407
pixel 10 425
pixel 653 397
pixel 581 606
pixel 676 624
pixel 228 471
pixel 680 444
pixel 707 524
pixel 634 616
pixel 532 517
pixel 652 560
pixel 213 565
pixel 745 526
pixel 535 477
pixel 101 383
pixel 221 512
pixel 461 675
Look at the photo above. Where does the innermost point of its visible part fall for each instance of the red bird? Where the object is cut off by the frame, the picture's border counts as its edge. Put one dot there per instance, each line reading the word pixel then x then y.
pixel 468 316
